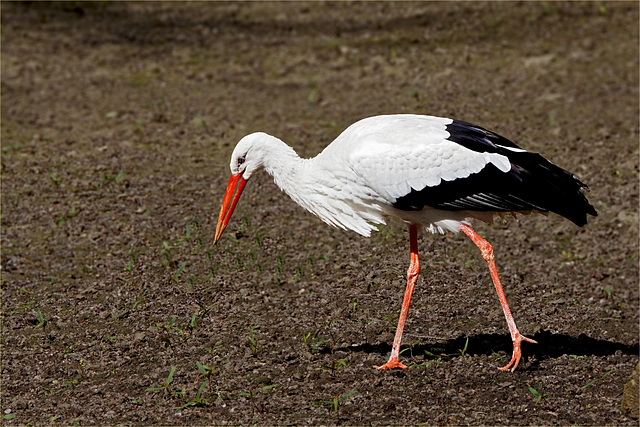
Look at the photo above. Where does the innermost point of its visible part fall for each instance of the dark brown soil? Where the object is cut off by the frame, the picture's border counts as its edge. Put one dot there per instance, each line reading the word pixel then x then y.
pixel 118 120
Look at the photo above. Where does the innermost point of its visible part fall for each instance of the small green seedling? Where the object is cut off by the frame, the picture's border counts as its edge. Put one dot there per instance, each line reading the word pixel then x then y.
pixel 252 393
pixel 232 238
pixel 464 350
pixel 590 383
pixel 187 234
pixel 439 358
pixel 279 265
pixel 24 308
pixel 109 339
pixel 198 246
pixel 71 214
pixel 205 370
pixel 109 178
pixel 12 147
pixel 214 348
pixel 336 401
pixel 243 226
pixel 334 366
pixel 166 252
pixel 498 357
pixel 537 394
pixel 139 300
pixel 253 343
pixel 385 232
pixel 258 239
pixel 133 258
pixel 312 341
pixel 198 400
pixel 74 382
pixel 201 122
pixel 41 321
pixel 177 274
pixel 192 323
pixel 55 179
pixel 167 382
pixel 171 325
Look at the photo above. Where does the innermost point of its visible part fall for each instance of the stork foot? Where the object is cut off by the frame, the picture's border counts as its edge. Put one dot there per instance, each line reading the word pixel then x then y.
pixel 517 353
pixel 391 364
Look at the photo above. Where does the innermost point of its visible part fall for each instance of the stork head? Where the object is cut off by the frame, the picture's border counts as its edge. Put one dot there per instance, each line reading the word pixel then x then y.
pixel 247 158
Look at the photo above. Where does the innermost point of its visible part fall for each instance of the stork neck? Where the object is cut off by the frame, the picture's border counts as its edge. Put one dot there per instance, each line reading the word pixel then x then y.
pixel 284 165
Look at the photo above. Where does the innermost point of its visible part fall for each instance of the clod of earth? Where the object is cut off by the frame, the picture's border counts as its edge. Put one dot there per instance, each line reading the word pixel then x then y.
pixel 631 395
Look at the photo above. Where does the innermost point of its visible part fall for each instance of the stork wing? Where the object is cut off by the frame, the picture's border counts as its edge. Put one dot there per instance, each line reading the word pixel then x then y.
pixel 417 161
pixel 405 158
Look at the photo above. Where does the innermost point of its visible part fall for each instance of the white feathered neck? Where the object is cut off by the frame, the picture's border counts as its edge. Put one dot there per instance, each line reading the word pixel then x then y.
pixel 320 187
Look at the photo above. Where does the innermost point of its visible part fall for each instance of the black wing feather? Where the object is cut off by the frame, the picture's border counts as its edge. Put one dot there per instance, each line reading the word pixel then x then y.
pixel 533 183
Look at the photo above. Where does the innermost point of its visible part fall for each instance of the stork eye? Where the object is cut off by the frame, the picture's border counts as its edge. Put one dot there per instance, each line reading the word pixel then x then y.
pixel 241 160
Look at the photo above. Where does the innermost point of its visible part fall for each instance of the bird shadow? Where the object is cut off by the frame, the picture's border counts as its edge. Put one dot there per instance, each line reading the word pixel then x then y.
pixel 549 346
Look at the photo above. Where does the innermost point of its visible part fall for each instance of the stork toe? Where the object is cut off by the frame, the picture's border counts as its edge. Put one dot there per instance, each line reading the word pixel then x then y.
pixel 391 364
pixel 517 352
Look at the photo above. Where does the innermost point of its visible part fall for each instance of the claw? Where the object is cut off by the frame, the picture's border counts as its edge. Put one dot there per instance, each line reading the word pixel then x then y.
pixel 517 352
pixel 391 364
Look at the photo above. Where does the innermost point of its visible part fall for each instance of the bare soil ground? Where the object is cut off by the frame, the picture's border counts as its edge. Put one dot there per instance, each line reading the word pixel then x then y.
pixel 118 120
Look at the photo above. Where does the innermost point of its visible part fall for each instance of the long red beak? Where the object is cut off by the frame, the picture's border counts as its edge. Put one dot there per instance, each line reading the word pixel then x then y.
pixel 231 196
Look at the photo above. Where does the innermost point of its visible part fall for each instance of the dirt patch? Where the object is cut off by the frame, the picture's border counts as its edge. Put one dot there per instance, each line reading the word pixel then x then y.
pixel 118 120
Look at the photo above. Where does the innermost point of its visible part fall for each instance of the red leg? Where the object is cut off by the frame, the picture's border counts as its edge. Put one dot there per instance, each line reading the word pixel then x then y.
pixel 487 254
pixel 412 278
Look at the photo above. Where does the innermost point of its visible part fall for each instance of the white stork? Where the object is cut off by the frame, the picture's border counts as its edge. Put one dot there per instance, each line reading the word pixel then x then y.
pixel 429 172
